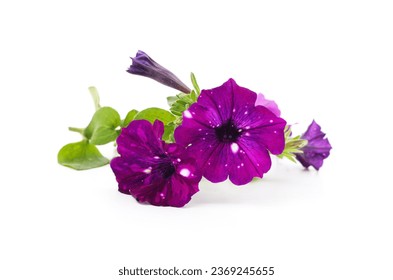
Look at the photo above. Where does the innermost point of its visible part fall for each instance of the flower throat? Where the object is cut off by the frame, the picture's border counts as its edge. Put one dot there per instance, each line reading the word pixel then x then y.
pixel 228 132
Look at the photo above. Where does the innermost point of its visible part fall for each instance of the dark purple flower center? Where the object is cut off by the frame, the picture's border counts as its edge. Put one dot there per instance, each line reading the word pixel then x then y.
pixel 227 132
pixel 165 168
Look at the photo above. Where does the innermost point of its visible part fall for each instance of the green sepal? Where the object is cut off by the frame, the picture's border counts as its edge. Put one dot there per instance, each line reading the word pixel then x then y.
pixel 181 102
pixel 81 156
pixel 195 84
pixel 293 145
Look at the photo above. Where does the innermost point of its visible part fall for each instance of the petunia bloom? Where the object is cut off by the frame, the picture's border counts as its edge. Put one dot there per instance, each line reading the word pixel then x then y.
pixel 270 104
pixel 317 149
pixel 229 135
pixel 144 65
pixel 151 170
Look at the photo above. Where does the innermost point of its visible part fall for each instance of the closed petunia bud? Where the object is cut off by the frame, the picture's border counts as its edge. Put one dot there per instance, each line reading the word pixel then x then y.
pixel 144 65
pixel 317 149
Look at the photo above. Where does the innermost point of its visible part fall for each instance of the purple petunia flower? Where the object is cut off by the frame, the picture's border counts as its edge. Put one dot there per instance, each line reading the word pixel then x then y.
pixel 144 65
pixel 229 135
pixel 317 149
pixel 151 170
pixel 270 104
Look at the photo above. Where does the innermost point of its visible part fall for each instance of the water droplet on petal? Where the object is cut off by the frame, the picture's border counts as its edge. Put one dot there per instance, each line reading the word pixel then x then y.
pixel 148 170
pixel 185 172
pixel 187 114
pixel 234 148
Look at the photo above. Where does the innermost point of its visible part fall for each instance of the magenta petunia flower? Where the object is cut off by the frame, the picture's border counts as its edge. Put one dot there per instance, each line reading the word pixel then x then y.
pixel 144 65
pixel 229 135
pixel 317 149
pixel 151 170
pixel 270 104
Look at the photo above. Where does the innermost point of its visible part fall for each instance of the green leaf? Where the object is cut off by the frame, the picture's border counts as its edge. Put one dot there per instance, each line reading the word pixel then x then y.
pixel 81 156
pixel 152 114
pixel 168 133
pixel 102 129
pixel 96 97
pixel 129 118
pixel 195 84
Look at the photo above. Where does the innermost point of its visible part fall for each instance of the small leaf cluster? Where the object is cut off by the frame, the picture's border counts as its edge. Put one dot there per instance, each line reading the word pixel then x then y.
pixel 105 127
pixel 181 102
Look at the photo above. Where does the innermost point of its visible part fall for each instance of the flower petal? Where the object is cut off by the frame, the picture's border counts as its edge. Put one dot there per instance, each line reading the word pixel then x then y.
pixel 243 99
pixel 221 108
pixel 256 160
pixel 216 166
pixel 139 139
pixel 263 126
pixel 313 131
pixel 269 104
pixel 199 140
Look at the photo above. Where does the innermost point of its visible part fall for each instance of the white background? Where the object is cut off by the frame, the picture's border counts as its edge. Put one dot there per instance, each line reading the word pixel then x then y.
pixel 328 60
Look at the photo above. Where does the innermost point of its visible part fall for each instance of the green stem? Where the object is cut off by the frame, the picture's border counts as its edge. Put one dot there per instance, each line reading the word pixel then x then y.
pixel 75 129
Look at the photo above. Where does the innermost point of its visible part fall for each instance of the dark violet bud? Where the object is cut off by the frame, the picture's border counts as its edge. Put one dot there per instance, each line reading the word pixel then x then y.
pixel 317 149
pixel 144 65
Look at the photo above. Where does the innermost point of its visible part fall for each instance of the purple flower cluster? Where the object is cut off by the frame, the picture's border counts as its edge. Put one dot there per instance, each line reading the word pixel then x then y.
pixel 230 132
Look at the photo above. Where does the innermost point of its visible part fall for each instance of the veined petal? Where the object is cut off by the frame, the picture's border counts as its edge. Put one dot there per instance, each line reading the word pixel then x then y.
pixel 264 127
